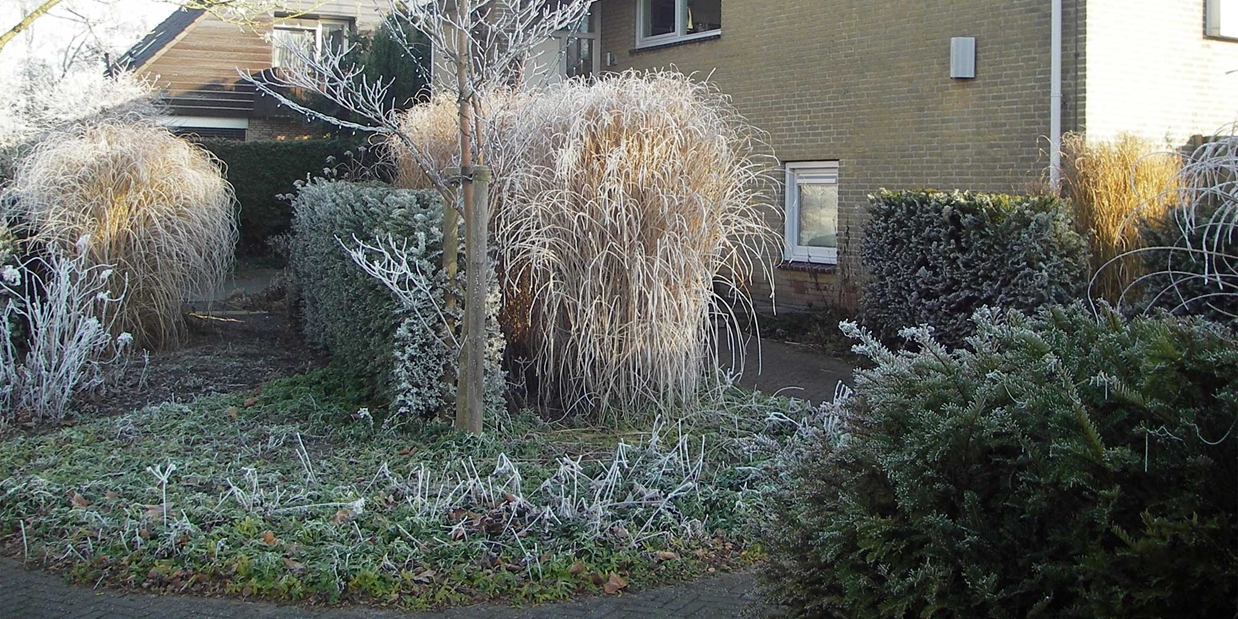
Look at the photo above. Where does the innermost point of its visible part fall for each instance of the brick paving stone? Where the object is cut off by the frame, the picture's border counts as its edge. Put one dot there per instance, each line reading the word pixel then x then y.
pixel 28 594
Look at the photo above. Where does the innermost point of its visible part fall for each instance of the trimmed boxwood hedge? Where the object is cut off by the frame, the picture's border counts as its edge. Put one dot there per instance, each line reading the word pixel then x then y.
pixel 935 257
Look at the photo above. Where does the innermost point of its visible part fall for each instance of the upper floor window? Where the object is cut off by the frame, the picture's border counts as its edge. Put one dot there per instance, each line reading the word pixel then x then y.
pixel 812 212
pixel 670 21
pixel 1221 18
pixel 294 39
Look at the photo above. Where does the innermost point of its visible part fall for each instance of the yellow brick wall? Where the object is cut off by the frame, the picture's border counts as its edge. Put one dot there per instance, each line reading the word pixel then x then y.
pixel 867 83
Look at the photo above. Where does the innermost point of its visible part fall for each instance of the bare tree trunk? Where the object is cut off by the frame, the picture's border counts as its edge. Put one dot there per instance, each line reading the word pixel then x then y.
pixel 469 402
pixel 475 218
pixel 26 21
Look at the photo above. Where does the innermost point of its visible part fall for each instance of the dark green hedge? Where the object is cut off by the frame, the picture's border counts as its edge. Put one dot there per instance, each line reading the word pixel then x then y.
pixel 262 171
pixel 1068 465
pixel 936 257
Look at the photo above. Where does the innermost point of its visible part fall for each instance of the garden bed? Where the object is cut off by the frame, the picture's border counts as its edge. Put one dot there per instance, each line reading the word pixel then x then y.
pixel 298 491
pixel 232 347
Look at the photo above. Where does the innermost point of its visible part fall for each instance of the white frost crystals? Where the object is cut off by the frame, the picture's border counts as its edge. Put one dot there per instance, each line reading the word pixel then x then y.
pixel 56 340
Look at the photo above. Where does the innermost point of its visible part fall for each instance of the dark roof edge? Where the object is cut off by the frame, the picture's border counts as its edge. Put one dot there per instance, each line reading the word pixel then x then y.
pixel 157 39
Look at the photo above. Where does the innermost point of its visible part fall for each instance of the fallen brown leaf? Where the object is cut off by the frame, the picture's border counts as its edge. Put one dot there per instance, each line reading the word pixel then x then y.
pixel 342 516
pixel 268 538
pixel 614 584
pixel 667 556
pixel 576 569
pixel 250 402
pixel 295 566
pixel 78 501
pixel 232 412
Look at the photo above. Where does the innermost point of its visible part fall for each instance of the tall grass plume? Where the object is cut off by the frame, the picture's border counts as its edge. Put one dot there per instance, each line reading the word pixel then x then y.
pixel 635 196
pixel 151 204
pixel 1113 186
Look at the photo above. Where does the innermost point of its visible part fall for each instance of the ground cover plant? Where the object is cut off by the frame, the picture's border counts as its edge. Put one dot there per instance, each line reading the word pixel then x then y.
pixel 153 207
pixel 1064 465
pixel 935 257
pixel 301 492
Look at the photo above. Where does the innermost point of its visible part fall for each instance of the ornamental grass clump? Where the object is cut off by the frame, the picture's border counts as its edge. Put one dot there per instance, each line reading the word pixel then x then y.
pixel 1113 186
pixel 1192 254
pixel 635 195
pixel 1066 464
pixel 151 204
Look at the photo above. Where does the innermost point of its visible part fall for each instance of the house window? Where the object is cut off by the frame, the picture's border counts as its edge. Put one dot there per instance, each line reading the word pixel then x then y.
pixel 1221 18
pixel 294 39
pixel 812 212
pixel 669 21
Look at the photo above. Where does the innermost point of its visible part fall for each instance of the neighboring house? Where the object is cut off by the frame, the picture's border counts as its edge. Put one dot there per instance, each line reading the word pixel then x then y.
pixel 857 96
pixel 193 57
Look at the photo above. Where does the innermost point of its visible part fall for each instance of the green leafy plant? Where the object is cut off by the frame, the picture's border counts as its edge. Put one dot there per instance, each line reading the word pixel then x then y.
pixel 936 257
pixel 1067 465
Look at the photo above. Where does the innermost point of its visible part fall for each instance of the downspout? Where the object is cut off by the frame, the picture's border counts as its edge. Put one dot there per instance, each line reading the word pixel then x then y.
pixel 1055 97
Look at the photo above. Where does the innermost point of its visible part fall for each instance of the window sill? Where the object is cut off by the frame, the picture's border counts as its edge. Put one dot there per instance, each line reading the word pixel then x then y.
pixel 808 267
pixel 693 38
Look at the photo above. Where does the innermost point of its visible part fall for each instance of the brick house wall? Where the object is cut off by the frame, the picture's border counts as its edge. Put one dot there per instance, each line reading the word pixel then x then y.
pixel 868 84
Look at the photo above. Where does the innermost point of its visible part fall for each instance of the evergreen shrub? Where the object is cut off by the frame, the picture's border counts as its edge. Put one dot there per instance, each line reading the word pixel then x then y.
pixel 936 257
pixel 262 171
pixel 394 343
pixel 1067 465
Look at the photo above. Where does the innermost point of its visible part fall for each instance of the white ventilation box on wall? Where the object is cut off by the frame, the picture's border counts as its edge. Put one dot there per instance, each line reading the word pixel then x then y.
pixel 1221 18
pixel 963 58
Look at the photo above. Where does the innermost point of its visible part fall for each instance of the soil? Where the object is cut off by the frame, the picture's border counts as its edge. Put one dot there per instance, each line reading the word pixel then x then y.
pixel 232 346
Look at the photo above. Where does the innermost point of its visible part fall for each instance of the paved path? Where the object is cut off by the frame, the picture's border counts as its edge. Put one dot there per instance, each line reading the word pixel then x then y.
pixel 790 370
pixel 36 595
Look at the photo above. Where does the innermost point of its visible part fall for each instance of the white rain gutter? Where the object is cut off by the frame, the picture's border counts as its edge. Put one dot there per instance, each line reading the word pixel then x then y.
pixel 1055 97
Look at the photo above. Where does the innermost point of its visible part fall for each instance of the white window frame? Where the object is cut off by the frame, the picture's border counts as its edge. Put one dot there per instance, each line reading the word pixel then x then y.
pixel 1221 19
pixel 320 28
pixel 681 27
pixel 801 173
